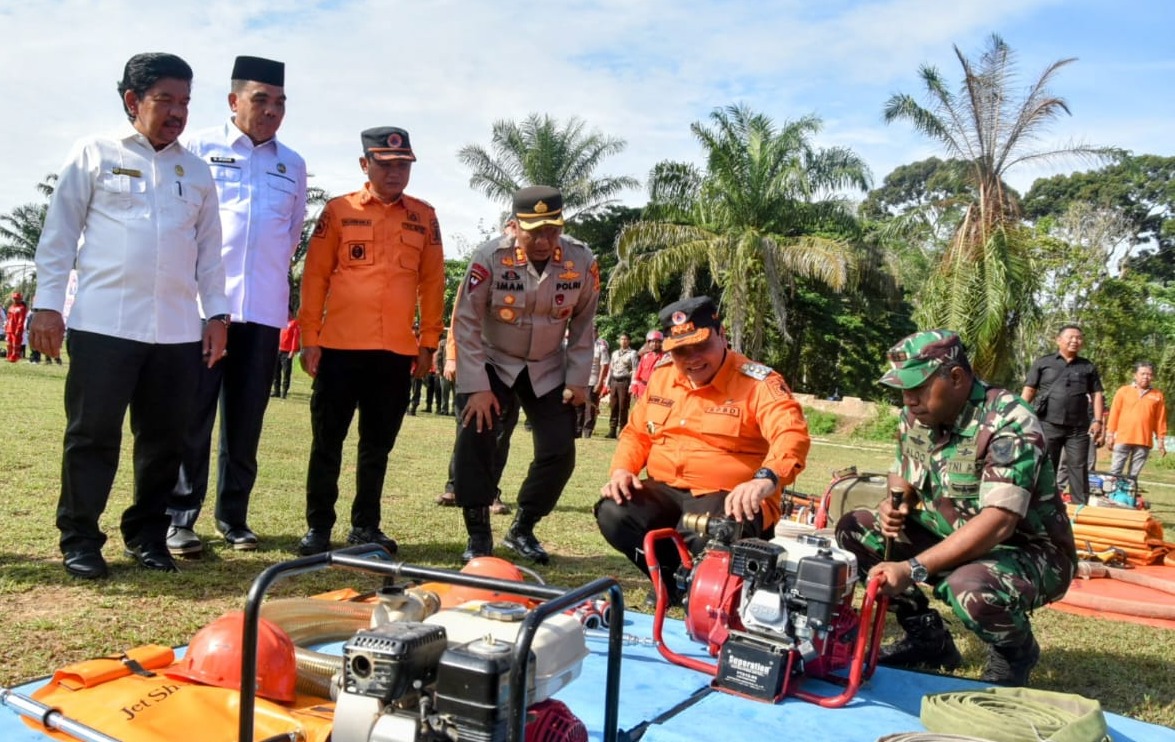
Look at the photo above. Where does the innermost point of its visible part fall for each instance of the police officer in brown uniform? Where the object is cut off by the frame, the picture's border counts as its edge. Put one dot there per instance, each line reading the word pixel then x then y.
pixel 521 294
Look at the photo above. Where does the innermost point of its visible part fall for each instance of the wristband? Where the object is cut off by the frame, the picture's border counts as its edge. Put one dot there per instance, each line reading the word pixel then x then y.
pixel 768 474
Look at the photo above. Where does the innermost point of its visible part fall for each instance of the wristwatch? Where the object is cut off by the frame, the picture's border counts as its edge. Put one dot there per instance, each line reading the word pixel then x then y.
pixel 766 473
pixel 918 573
pixel 224 318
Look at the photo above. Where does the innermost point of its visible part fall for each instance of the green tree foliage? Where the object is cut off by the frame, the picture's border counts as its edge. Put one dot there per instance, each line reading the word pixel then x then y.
pixel 914 213
pixel 454 274
pixel 985 280
pixel 1132 319
pixel 1141 188
pixel 841 339
pixel 934 184
pixel 759 216
pixel 599 231
pixel 539 150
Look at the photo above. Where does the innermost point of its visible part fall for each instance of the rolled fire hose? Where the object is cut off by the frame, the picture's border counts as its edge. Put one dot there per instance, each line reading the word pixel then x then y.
pixel 309 621
pixel 1142 608
pixel 929 737
pixel 1016 715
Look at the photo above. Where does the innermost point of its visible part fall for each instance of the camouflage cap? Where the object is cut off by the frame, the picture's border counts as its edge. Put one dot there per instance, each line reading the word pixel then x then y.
pixel 916 357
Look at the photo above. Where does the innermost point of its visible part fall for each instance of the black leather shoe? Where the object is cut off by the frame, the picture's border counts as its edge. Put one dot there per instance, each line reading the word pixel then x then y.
pixel 521 539
pixel 86 564
pixel 360 536
pixel 152 556
pixel 238 537
pixel 314 542
pixel 183 542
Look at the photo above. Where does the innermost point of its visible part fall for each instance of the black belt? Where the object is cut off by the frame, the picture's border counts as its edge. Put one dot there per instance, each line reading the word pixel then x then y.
pixel 621 378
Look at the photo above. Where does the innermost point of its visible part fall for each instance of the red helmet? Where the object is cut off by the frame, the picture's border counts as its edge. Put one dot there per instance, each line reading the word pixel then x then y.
pixel 654 335
pixel 214 658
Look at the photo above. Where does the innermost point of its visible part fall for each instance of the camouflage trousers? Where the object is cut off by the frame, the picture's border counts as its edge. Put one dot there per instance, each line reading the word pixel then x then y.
pixel 992 595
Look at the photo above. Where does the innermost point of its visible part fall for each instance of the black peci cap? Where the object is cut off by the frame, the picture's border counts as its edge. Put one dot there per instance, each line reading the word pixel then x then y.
pixel 259 69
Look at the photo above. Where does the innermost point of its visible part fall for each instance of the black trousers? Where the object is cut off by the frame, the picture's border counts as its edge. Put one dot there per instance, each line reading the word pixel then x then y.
pixel 283 370
pixel 1074 440
pixel 376 383
pixel 660 506
pixel 585 415
pixel 239 387
pixel 619 398
pixel 106 376
pixel 504 427
pixel 553 430
pixel 445 395
pixel 429 384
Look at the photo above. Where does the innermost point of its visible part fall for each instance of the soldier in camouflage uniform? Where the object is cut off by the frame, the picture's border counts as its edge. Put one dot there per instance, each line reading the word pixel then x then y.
pixel 980 520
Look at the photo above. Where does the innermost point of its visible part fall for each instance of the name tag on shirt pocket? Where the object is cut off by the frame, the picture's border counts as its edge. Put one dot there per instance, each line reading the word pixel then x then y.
pixel 657 417
pixel 126 193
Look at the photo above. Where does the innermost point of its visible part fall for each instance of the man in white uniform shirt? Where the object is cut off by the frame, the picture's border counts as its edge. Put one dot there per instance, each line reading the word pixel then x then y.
pixel 261 185
pixel 137 214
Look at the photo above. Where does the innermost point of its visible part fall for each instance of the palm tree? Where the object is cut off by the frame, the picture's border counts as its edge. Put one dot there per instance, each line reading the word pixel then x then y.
pixel 985 279
pixel 757 216
pixel 540 151
pixel 20 229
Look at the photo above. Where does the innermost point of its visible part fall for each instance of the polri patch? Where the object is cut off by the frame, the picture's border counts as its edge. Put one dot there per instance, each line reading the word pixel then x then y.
pixel 477 274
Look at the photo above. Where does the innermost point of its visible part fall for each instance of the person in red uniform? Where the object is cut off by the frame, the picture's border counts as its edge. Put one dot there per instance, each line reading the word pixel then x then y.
pixel 374 261
pixel 651 354
pixel 715 433
pixel 288 344
pixel 18 312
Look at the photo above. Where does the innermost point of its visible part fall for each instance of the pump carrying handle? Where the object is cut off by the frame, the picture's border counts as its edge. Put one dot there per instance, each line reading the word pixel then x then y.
pixel 376 560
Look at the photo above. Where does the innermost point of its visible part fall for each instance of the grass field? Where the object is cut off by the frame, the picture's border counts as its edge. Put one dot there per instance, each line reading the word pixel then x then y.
pixel 53 619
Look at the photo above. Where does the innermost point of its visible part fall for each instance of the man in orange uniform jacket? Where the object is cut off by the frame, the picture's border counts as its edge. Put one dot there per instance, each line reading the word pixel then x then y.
pixel 716 433
pixel 375 257
pixel 1138 417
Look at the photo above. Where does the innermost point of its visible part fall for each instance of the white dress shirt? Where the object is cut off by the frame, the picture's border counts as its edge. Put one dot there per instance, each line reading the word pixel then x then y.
pixel 262 191
pixel 143 229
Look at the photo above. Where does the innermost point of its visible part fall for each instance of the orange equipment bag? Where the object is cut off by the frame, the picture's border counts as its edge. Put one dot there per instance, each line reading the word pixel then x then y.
pixel 131 699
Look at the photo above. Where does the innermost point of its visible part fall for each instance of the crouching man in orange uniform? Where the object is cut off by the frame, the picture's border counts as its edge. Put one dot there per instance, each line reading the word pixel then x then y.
pixel 715 433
